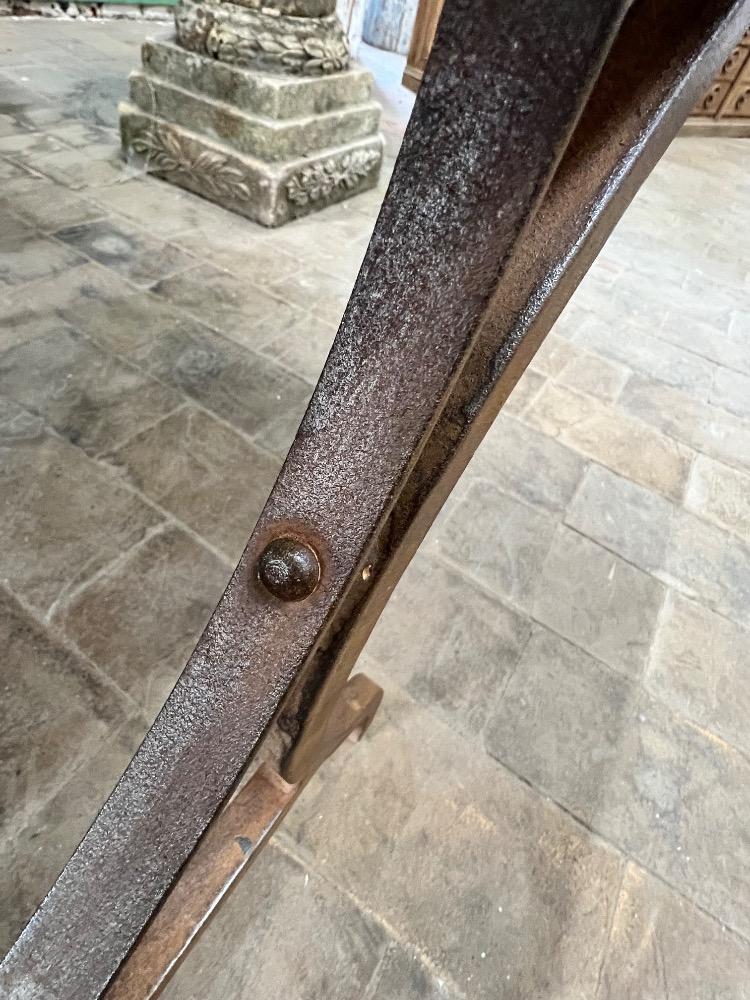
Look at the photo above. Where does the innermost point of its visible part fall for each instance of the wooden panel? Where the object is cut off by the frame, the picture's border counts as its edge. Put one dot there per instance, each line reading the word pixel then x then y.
pixel 727 102
pixel 734 64
pixel 737 102
pixel 713 99
pixel 425 26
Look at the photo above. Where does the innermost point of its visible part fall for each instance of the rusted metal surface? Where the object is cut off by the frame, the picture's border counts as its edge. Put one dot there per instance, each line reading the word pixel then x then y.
pixel 662 57
pixel 500 199
pixel 231 844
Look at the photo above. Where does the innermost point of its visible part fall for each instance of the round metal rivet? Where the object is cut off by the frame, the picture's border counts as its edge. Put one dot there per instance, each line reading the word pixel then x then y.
pixel 289 569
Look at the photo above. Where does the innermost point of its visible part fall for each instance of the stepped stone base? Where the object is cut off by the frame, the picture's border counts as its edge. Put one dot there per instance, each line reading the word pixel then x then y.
pixel 269 147
pixel 268 193
pixel 260 93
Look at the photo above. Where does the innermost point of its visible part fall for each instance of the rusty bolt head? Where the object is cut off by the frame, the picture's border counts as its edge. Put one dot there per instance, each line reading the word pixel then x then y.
pixel 289 569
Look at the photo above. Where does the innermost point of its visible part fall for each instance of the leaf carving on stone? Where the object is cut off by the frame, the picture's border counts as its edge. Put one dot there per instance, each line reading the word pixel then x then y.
pixel 321 180
pixel 166 153
pixel 243 45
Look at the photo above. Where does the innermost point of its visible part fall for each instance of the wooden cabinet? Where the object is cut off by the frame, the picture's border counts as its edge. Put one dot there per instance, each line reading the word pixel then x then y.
pixel 725 109
pixel 425 25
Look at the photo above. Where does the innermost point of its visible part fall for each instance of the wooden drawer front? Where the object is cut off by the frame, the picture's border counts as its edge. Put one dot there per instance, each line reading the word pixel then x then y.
pixel 733 65
pixel 737 102
pixel 713 100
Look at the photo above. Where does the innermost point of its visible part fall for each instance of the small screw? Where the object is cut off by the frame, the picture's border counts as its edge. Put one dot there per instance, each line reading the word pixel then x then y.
pixel 289 569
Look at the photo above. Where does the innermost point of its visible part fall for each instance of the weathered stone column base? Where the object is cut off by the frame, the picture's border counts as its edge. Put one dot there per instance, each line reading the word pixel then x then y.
pixel 269 147
pixel 268 193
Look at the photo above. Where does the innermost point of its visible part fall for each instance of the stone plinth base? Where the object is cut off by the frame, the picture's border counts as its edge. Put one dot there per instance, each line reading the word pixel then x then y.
pixel 268 147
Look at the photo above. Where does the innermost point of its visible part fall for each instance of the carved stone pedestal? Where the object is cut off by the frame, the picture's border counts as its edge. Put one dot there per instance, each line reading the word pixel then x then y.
pixel 256 109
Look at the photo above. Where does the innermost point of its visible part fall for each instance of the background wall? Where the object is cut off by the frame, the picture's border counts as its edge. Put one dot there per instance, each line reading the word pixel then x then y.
pixel 388 24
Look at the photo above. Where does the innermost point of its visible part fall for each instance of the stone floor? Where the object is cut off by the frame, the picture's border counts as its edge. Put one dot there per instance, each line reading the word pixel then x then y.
pixel 555 801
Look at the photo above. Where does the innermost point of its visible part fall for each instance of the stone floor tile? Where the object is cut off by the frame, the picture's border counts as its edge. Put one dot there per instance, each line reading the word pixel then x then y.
pixel 502 893
pixel 229 235
pixel 36 309
pixel 253 394
pixel 55 712
pixel 17 424
pixel 32 860
pixel 276 438
pixel 18 99
pixel 580 370
pixel 662 946
pixel 712 301
pixel 48 207
pixel 710 565
pixel 500 540
pixel 16 231
pixel 11 172
pixel 673 796
pixel 706 428
pixel 527 464
pixel 222 301
pixel 316 290
pixel 118 245
pixel 65 509
pixel 25 147
pixel 403 976
pixel 279 323
pixel 698 665
pixel 731 391
pixel 78 133
pixel 29 255
pixel 623 517
pixel 257 261
pixel 23 319
pixel 447 643
pixel 626 446
pixel 129 323
pixel 720 494
pixel 553 355
pixel 8 125
pixel 301 239
pixel 157 206
pixel 574 315
pixel 140 621
pixel 598 601
pixel 40 116
pixel 586 372
pixel 647 355
pixel 739 324
pixel 524 391
pixel 303 347
pixel 723 344
pixel 90 166
pixel 561 724
pixel 284 932
pixel 204 473
pixel 90 397
pixel 638 250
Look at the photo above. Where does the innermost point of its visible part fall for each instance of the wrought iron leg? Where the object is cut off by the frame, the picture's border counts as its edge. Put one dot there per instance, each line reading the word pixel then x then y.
pixel 508 183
